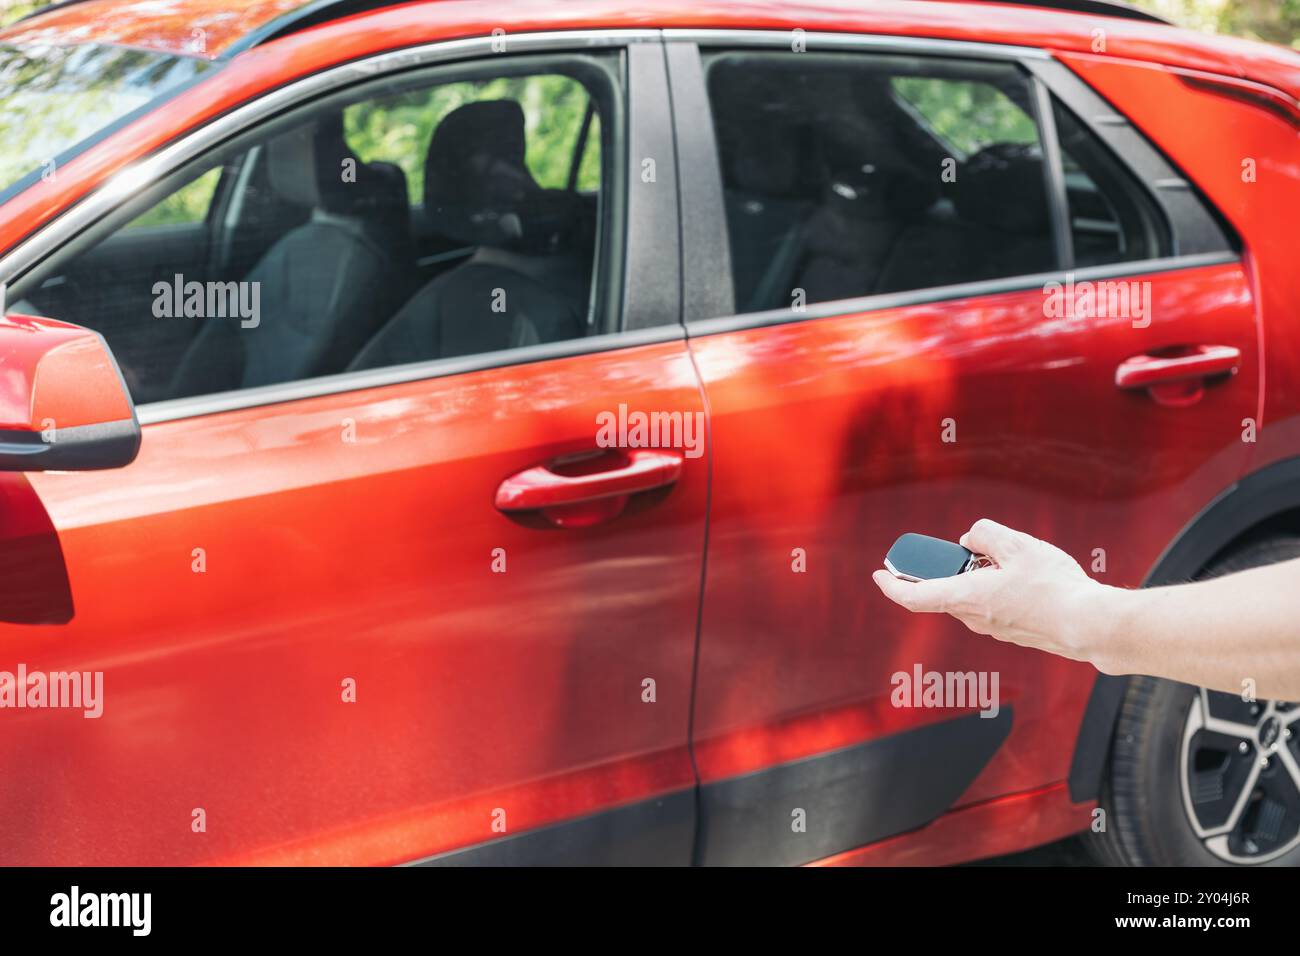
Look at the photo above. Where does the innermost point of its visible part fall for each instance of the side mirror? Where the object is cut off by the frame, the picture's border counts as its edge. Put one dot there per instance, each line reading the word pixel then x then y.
pixel 63 403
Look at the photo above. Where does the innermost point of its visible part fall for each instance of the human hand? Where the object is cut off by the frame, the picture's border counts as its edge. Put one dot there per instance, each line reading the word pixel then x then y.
pixel 1036 595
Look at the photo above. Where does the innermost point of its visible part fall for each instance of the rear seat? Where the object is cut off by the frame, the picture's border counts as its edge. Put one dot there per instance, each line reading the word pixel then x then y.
pixel 1002 226
pixel 765 224
pixel 854 231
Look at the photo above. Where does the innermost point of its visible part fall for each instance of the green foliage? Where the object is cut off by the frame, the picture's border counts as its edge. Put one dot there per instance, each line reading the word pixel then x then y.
pixel 1274 21
pixel 11 10
pixel 965 114
pixel 51 98
pixel 397 129
pixel 190 203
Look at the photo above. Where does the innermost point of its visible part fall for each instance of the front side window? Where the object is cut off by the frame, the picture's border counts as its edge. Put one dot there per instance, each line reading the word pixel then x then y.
pixel 410 221
pixel 561 119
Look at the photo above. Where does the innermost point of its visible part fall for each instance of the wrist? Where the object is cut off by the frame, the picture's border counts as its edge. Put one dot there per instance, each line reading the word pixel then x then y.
pixel 1097 629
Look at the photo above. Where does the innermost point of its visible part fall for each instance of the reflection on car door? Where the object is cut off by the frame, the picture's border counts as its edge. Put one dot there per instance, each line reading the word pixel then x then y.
pixel 838 426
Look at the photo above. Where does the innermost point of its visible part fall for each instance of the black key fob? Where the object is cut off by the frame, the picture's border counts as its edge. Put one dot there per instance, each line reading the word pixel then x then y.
pixel 918 557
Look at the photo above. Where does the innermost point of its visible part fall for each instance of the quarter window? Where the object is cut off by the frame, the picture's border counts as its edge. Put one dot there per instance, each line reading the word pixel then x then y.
pixel 1112 217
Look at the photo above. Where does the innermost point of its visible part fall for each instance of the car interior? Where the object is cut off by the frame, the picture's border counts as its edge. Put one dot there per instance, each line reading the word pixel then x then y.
pixel 831 184
pixel 349 274
pixel 833 188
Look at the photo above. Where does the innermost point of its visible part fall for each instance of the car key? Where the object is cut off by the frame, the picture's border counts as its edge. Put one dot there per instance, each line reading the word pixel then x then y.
pixel 919 557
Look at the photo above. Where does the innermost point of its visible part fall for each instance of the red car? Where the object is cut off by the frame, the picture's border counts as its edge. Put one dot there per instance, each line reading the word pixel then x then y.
pixel 463 433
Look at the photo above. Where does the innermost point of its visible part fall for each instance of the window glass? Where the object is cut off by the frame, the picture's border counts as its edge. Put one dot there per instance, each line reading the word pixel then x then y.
pixel 189 204
pixel 1112 217
pixel 849 175
pixel 966 116
pixel 413 223
pixel 398 129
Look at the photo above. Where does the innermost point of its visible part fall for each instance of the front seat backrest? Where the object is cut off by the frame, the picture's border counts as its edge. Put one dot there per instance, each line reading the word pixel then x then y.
pixel 525 283
pixel 326 285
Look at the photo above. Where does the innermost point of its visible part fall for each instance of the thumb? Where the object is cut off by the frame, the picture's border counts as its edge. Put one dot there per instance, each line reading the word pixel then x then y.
pixel 999 542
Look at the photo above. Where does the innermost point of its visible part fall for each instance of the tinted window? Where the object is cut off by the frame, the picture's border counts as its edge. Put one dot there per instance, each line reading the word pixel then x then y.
pixel 849 175
pixel 419 222
pixel 1112 217
pixel 397 129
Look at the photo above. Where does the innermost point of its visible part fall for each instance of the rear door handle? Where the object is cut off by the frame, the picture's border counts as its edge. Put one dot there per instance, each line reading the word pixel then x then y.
pixel 590 489
pixel 1178 379
pixel 1143 371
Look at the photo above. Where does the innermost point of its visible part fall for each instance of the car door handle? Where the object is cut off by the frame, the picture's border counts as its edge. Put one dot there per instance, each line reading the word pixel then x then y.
pixel 582 491
pixel 1177 379
pixel 1202 361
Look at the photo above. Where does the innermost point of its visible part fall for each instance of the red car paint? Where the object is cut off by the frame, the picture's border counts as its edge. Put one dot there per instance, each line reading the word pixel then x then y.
pixel 478 692
pixel 44 357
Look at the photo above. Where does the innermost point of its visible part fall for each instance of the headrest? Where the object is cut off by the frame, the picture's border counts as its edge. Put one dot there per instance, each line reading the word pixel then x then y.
pixel 306 168
pixel 881 191
pixel 1002 187
pixel 477 187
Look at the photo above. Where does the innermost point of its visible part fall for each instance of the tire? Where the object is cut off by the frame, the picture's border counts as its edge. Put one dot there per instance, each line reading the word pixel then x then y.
pixel 1153 803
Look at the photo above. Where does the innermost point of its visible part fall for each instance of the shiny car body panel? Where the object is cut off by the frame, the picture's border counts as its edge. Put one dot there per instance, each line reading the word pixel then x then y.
pixel 252 561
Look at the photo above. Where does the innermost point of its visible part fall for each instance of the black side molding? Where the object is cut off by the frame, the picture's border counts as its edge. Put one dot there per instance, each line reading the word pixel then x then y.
pixel 656 832
pixel 850 797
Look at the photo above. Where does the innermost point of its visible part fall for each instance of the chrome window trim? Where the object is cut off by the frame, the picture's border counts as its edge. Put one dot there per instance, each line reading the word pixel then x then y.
pixel 952 293
pixel 825 42
pixel 344 382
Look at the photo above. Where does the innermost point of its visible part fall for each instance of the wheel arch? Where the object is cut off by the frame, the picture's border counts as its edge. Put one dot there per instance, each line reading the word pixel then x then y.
pixel 1263 503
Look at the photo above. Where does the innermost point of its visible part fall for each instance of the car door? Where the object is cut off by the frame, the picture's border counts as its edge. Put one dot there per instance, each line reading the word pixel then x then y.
pixel 929 246
pixel 429 611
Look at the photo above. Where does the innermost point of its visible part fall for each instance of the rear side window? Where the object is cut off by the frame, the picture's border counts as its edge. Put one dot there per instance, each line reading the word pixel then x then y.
pixel 849 175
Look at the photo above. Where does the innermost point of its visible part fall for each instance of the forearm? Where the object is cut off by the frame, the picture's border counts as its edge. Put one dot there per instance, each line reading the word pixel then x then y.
pixel 1217 633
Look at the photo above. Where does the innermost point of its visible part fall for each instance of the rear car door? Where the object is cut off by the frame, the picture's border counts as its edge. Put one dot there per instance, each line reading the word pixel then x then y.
pixel 405 600
pixel 963 287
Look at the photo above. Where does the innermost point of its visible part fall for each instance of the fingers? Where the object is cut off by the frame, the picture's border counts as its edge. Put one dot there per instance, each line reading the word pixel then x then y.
pixel 935 596
pixel 997 541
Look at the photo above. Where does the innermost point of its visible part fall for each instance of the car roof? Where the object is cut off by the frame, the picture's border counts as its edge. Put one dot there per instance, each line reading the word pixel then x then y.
pixel 204 28
pixel 223 29
pixel 213 28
